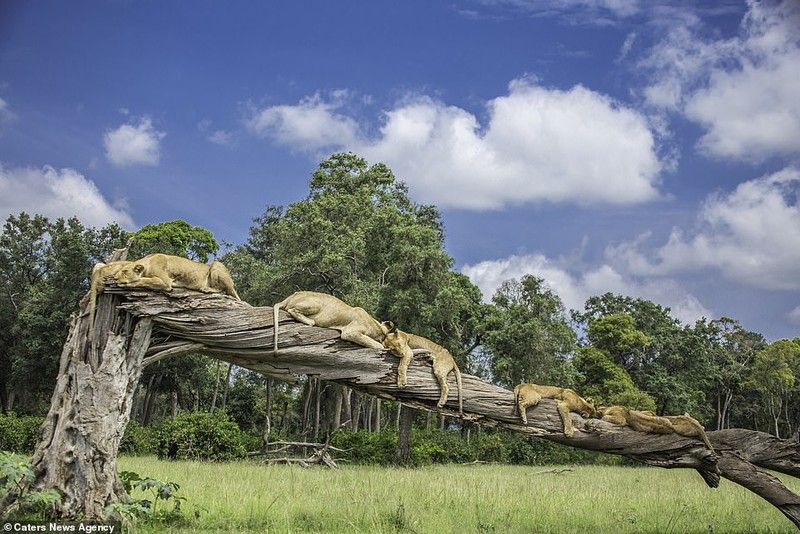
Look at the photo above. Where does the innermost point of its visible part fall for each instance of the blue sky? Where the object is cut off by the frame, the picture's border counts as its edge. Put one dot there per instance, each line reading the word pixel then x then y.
pixel 646 148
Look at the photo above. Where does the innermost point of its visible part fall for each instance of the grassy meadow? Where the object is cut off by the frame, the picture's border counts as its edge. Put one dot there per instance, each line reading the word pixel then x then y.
pixel 252 497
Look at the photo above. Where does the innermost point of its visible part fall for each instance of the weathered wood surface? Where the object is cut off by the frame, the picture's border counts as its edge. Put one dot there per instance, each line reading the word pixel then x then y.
pixel 231 330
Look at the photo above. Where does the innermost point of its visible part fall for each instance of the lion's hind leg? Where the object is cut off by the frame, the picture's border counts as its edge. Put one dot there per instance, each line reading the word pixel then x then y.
pixel 297 316
pixel 615 420
pixel 526 399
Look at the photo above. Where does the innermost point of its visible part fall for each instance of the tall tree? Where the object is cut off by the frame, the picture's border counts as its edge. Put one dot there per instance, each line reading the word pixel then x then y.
pixel 772 377
pixel 44 269
pixel 666 359
pixel 732 350
pixel 358 236
pixel 528 336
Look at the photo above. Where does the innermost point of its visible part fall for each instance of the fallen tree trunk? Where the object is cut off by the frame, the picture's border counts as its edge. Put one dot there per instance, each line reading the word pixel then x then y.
pixel 233 331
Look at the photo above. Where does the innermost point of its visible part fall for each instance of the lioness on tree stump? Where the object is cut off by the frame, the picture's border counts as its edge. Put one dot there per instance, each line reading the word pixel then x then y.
pixel 354 324
pixel 162 272
pixel 567 400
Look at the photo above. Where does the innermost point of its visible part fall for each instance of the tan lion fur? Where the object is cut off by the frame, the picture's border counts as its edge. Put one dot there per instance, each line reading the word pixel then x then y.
pixel 355 324
pixel 163 272
pixel 648 421
pixel 567 400
pixel 443 364
pixel 100 272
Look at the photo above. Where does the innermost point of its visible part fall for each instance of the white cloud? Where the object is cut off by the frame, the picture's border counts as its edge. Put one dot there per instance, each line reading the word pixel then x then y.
pixel 6 115
pixel 57 193
pixel 599 12
pixel 538 144
pixel 744 91
pixel 310 125
pixel 216 136
pixel 134 144
pixel 221 137
pixel 751 235
pixel 574 289
pixel 794 316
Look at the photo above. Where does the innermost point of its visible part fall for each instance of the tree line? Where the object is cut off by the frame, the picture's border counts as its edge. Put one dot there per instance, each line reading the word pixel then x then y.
pixel 358 236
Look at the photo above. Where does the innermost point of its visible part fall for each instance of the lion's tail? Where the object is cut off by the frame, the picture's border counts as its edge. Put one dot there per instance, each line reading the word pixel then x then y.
pixel 457 372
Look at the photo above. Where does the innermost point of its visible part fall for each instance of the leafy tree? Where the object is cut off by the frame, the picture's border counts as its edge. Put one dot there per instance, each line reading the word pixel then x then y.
pixel 731 350
pixel 606 382
pixel 358 236
pixel 667 360
pixel 772 377
pixel 527 335
pixel 44 269
pixel 618 337
pixel 177 238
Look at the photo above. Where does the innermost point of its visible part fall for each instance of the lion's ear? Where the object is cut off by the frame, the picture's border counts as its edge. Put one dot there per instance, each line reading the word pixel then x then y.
pixel 138 268
pixel 389 326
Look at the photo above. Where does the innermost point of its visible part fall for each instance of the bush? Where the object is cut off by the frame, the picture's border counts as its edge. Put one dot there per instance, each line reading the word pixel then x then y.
pixel 441 447
pixel 138 439
pixel 19 434
pixel 16 475
pixel 201 435
pixel 365 447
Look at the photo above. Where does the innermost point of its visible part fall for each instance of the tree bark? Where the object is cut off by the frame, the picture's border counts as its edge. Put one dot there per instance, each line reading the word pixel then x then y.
pixel 134 327
pixel 216 388
pixel 356 400
pixel 227 386
pixel 77 449
pixel 268 416
pixel 402 454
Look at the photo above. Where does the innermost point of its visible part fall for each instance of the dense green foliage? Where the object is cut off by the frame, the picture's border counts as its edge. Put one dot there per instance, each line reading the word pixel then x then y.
pixel 19 433
pixel 16 474
pixel 203 436
pixel 527 336
pixel 449 446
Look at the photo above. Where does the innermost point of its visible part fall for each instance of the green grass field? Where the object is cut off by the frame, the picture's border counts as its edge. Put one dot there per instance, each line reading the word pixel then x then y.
pixel 252 497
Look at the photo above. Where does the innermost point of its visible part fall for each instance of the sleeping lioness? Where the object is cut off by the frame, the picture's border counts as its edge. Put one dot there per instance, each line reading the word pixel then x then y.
pixel 567 401
pixel 163 272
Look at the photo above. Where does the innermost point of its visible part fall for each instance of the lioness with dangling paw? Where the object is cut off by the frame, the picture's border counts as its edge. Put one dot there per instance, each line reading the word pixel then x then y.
pixel 355 324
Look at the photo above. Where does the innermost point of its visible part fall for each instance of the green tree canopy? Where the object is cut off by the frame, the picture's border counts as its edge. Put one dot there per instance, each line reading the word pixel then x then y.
pixel 528 336
pixel 178 238
pixel 358 236
pixel 44 268
pixel 606 382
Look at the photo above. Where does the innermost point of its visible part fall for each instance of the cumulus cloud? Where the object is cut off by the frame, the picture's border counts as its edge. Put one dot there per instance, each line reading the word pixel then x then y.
pixel 794 316
pixel 575 288
pixel 598 12
pixel 57 193
pixel 134 144
pixel 750 235
pixel 221 137
pixel 6 115
pixel 216 136
pixel 312 124
pixel 743 91
pixel 538 144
